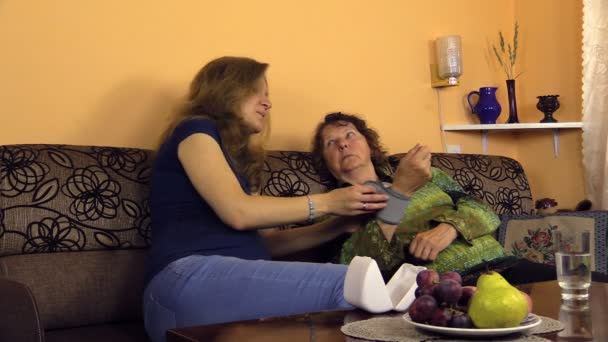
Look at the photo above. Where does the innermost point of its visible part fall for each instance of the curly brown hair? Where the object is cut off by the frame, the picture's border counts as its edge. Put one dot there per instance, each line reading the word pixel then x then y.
pixel 379 155
pixel 216 93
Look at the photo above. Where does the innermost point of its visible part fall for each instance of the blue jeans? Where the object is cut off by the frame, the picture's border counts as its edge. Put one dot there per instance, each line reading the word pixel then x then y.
pixel 199 289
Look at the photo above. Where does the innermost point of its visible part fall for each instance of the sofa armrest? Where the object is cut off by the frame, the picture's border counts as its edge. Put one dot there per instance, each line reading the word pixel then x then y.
pixel 20 320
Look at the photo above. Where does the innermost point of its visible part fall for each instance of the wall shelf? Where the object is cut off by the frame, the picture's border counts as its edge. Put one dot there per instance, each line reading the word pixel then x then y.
pixel 514 127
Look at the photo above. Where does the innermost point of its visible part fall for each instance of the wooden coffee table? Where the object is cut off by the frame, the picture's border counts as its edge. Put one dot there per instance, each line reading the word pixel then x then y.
pixel 325 326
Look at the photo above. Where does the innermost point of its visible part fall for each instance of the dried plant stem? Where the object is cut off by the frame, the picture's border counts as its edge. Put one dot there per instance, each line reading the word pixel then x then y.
pixel 507 57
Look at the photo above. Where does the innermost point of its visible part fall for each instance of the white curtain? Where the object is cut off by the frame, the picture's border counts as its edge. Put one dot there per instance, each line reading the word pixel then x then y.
pixel 595 101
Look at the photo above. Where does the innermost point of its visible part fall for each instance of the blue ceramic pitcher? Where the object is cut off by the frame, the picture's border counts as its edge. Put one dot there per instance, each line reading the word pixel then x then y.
pixel 487 107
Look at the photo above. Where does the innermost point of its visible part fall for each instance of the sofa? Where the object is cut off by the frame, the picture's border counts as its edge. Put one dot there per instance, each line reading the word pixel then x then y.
pixel 75 227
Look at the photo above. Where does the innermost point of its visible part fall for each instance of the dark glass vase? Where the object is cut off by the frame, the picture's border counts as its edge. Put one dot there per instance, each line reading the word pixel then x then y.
pixel 512 102
pixel 548 104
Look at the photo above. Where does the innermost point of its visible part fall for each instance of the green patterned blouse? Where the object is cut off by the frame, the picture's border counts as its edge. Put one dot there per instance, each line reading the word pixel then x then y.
pixel 440 200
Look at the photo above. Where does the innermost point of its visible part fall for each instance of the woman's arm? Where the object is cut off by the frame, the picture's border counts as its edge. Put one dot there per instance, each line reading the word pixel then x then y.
pixel 210 174
pixel 425 245
pixel 428 244
pixel 471 217
pixel 413 172
pixel 286 241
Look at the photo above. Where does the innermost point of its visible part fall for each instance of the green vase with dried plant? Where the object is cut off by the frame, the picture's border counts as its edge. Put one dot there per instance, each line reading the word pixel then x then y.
pixel 507 56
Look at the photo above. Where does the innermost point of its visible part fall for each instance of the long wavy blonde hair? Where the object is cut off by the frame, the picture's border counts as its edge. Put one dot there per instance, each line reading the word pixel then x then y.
pixel 216 93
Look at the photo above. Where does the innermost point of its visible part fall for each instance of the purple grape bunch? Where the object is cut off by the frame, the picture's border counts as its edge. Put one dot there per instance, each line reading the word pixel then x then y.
pixel 441 300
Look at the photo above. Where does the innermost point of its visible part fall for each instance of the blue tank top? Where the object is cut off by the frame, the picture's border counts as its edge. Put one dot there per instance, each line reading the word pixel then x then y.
pixel 183 223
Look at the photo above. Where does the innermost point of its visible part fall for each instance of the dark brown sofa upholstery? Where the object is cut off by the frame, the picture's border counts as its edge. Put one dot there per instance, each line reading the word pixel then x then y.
pixel 75 226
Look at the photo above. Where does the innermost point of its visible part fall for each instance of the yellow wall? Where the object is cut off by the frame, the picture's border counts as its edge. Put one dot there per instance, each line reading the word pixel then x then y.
pixel 552 64
pixel 109 73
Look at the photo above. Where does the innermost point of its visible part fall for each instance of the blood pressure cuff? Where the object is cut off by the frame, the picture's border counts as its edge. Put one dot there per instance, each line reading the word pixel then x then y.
pixel 396 205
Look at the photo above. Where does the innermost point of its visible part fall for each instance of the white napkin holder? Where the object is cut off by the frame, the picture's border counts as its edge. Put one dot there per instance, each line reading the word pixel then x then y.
pixel 365 288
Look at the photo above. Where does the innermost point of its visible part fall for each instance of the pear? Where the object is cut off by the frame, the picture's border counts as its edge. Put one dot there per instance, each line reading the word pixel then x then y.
pixel 529 300
pixel 496 303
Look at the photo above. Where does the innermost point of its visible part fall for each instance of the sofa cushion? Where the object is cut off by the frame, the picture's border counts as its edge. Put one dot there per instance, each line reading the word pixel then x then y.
pixel 497 180
pixel 290 173
pixel 79 288
pixel 531 236
pixel 59 198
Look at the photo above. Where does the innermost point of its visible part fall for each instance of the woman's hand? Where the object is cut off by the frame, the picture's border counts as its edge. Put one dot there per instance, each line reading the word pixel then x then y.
pixel 354 200
pixel 414 170
pixel 427 245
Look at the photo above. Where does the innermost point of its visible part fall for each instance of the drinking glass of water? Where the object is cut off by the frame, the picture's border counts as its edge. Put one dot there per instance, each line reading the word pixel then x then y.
pixel 577 323
pixel 573 262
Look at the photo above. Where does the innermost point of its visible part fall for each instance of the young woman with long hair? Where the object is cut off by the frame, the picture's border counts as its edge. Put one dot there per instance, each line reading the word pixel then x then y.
pixel 209 259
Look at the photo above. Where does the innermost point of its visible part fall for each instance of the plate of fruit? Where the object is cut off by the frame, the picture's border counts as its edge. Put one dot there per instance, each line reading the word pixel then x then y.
pixel 492 308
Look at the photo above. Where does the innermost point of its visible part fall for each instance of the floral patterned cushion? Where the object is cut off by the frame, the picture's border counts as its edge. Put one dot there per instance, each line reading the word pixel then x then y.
pixel 531 236
pixel 58 198
pixel 497 180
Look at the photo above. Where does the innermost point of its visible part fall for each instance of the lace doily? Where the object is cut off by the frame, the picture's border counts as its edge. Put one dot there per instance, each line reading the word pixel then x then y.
pixel 395 329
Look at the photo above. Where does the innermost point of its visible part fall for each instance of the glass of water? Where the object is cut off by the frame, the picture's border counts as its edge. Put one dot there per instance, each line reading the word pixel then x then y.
pixel 577 323
pixel 573 262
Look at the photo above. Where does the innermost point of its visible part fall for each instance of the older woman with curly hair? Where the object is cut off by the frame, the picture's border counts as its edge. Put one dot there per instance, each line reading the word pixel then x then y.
pixel 440 226
pixel 433 223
